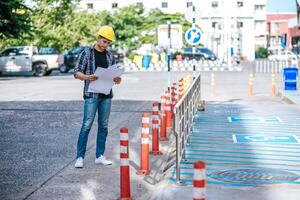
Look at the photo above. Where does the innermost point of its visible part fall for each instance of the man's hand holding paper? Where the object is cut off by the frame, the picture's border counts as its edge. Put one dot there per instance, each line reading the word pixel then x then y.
pixel 117 80
pixel 107 77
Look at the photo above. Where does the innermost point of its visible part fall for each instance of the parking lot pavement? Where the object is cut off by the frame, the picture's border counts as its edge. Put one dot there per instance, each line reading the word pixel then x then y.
pixel 263 170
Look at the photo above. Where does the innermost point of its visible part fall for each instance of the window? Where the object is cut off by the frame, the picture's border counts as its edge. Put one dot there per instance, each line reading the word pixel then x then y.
pixel 214 24
pixel 260 24
pixel 240 24
pixel 46 51
pixel 114 5
pixel 22 51
pixel 259 7
pixel 188 50
pixel 164 4
pixel 76 50
pixel 188 4
pixel 89 6
pixel 240 4
pixel 214 4
pixel 8 52
pixel 140 4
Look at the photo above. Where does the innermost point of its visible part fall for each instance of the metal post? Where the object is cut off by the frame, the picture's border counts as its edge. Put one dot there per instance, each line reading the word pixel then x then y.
pixel 194 48
pixel 169 55
pixel 177 159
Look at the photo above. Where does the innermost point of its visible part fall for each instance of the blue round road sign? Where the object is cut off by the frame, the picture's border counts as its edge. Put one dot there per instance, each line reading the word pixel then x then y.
pixel 193 36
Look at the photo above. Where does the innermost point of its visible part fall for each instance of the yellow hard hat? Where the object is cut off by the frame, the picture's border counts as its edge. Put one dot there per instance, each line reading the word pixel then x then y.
pixel 107 32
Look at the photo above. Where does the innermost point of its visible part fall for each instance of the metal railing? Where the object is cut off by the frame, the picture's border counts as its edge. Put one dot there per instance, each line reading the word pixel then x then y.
pixel 268 66
pixel 184 112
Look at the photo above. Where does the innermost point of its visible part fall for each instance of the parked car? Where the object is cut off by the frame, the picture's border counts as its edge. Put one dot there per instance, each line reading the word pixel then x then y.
pixel 201 53
pixel 283 55
pixel 118 56
pixel 70 58
pixel 27 58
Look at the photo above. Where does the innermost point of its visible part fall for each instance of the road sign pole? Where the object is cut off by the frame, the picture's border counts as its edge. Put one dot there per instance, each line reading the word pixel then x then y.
pixel 194 48
pixel 169 55
pixel 192 37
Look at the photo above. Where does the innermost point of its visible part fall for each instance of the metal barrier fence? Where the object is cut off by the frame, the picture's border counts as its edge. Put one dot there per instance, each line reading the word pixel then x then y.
pixel 184 112
pixel 184 66
pixel 268 66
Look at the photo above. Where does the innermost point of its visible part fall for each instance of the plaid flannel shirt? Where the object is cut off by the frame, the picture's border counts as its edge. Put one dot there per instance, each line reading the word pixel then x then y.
pixel 86 65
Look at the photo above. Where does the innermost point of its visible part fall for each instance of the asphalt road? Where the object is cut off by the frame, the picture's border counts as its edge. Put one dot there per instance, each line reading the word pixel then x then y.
pixel 40 118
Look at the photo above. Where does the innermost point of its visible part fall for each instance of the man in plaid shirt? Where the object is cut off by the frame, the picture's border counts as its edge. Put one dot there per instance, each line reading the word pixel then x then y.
pixel 89 60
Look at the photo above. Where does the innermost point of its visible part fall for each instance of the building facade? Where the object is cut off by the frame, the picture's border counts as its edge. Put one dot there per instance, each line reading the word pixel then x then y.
pixel 279 35
pixel 293 36
pixel 231 28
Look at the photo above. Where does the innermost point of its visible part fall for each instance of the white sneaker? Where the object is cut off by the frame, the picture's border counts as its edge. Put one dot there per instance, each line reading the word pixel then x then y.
pixel 79 163
pixel 102 160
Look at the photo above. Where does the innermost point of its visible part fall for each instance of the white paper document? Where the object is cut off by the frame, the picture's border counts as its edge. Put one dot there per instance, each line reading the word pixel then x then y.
pixel 105 82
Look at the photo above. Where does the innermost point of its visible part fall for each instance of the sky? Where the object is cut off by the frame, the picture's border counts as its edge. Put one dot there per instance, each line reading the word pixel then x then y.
pixel 281 5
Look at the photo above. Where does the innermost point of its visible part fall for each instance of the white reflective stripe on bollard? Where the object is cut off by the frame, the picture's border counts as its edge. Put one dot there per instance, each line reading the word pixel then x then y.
pixel 155 126
pixel 123 149
pixel 145 120
pixel 124 136
pixel 199 174
pixel 145 130
pixel 124 162
pixel 145 140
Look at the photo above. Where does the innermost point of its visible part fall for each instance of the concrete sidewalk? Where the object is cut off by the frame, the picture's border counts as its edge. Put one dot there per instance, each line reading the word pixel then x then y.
pixel 291 96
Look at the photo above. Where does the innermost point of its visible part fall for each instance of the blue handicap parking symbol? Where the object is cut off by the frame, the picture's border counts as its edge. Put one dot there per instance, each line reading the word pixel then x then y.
pixel 254 119
pixel 244 138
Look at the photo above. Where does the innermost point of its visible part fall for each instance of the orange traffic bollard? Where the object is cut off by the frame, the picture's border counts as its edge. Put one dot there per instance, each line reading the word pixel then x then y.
pixel 180 89
pixel 199 181
pixel 173 97
pixel 168 112
pixel 155 110
pixel 155 138
pixel 163 120
pixel 250 85
pixel 145 169
pixel 273 85
pixel 155 129
pixel 213 84
pixel 124 167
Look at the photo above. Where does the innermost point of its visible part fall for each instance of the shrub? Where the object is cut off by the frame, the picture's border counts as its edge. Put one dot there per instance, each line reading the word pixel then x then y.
pixel 261 53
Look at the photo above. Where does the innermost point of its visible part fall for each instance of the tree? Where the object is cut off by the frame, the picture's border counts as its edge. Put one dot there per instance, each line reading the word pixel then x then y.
pixel 156 17
pixel 15 20
pixel 57 25
pixel 127 22
pixel 52 19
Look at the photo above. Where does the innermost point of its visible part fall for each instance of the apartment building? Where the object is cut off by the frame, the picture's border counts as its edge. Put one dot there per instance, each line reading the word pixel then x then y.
pixel 230 27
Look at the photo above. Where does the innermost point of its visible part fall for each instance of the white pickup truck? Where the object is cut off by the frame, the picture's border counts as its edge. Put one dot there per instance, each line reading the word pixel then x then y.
pixel 27 58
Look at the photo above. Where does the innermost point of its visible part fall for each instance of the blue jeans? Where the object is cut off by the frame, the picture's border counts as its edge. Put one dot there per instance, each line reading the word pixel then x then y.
pixel 91 105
